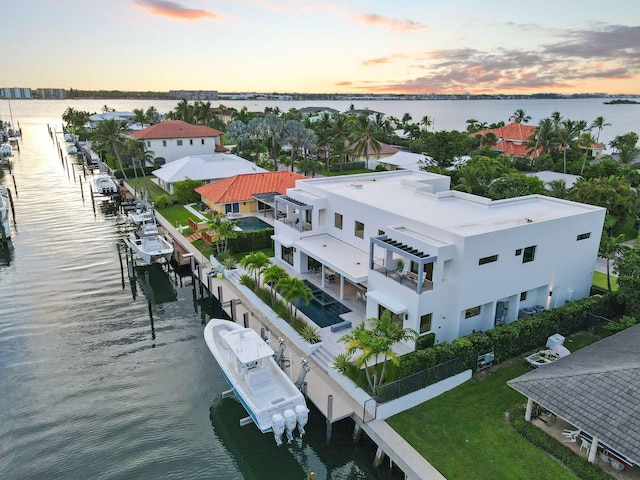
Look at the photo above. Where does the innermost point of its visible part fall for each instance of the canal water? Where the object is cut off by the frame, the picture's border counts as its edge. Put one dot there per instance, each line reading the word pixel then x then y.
pixel 90 386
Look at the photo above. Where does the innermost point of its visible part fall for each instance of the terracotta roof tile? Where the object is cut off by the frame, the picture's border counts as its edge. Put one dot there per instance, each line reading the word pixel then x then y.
pixel 175 129
pixel 241 187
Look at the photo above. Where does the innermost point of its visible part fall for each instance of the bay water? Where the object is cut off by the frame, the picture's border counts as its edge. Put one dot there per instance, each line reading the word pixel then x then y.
pixel 90 387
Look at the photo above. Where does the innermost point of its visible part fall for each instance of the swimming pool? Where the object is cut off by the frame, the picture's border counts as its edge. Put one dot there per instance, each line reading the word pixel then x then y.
pixel 251 223
pixel 323 310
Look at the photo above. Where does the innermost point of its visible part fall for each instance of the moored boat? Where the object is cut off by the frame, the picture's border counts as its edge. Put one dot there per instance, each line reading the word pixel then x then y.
pixel 105 184
pixel 5 206
pixel 271 399
pixel 152 248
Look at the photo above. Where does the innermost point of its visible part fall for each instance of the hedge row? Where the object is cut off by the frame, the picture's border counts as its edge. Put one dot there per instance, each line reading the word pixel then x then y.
pixel 252 240
pixel 512 339
pixel 567 457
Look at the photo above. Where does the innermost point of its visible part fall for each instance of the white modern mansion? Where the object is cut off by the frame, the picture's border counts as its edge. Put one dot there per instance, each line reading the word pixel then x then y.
pixel 440 261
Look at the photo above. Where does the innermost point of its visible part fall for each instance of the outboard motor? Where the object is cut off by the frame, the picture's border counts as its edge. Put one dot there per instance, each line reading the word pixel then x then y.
pixel 302 415
pixel 289 423
pixel 278 427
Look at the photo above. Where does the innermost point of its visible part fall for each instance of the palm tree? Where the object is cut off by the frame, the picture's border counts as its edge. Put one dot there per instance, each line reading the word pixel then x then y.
pixel 271 275
pixel 109 135
pixel 520 116
pixel 426 122
pixel 610 248
pixel 292 288
pixel 255 262
pixel 371 344
pixel 363 138
pixel 599 123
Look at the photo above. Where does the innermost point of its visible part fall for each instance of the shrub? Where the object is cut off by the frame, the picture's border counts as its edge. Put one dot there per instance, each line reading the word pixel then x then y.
pixel 163 201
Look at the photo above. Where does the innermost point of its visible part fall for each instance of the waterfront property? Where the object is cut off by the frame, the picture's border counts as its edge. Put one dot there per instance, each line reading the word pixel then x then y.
pixel 205 168
pixel 247 193
pixel 174 139
pixel 441 261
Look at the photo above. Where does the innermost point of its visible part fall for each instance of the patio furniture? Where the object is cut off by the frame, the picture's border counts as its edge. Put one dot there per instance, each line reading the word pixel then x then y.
pixel 585 445
pixel 571 435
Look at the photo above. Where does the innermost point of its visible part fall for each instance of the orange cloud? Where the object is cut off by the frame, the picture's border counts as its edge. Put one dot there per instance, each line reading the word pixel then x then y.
pixel 173 10
pixel 392 23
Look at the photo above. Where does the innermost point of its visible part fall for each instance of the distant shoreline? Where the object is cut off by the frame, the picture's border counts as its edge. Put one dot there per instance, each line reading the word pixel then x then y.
pixel 622 102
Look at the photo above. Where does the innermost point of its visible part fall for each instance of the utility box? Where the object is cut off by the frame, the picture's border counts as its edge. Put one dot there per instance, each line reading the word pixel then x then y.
pixel 555 339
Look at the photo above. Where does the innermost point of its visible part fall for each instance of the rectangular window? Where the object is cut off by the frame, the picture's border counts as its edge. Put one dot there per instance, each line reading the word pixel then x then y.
pixel 425 322
pixel 191 141
pixel 583 236
pixel 164 143
pixel 529 254
pixel 472 312
pixel 490 259
pixel 179 143
pixel 338 220
pixel 518 252
pixel 287 254
pixel 523 296
pixel 359 230
pixel 397 318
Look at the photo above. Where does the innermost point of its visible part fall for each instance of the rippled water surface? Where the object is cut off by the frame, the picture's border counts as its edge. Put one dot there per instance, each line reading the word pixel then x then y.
pixel 89 386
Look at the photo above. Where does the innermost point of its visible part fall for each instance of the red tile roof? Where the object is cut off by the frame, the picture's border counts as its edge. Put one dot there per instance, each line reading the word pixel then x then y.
pixel 516 132
pixel 175 129
pixel 241 187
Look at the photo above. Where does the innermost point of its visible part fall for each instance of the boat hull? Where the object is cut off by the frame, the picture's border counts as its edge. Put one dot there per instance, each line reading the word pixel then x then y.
pixel 277 396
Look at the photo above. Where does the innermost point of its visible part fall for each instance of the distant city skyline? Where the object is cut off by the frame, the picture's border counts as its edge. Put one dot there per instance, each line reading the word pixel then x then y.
pixel 353 47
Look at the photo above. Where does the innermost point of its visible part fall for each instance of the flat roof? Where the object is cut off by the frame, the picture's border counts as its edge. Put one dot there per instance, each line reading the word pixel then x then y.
pixel 407 194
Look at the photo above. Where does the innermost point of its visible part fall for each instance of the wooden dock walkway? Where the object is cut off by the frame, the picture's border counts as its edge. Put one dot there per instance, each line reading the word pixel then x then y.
pixel 319 385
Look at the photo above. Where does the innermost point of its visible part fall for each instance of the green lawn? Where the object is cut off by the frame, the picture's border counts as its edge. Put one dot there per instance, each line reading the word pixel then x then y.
pixel 600 280
pixel 463 434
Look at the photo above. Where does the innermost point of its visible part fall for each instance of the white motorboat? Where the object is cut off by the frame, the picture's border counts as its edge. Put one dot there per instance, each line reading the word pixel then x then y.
pixel 271 399
pixel 6 150
pixel 105 184
pixel 141 216
pixel 147 228
pixel 5 206
pixel 152 248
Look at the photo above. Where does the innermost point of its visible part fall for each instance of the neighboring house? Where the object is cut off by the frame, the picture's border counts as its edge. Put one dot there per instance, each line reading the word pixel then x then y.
pixel 205 168
pixel 372 155
pixel 247 193
pixel 440 261
pixel 512 140
pixel 96 118
pixel 174 139
pixel 597 390
pixel 403 160
pixel 547 177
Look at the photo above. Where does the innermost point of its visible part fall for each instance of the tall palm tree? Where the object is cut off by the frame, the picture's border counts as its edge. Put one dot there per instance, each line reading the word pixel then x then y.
pixel 271 275
pixel 520 116
pixel 363 138
pixel 109 135
pixel 599 123
pixel 610 247
pixel 426 122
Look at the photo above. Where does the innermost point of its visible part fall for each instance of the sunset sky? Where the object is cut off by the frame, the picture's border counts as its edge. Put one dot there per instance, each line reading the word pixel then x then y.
pixel 350 46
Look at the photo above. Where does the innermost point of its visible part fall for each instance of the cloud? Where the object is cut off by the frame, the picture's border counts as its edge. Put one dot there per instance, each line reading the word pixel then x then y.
pixel 393 24
pixel 574 59
pixel 174 10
